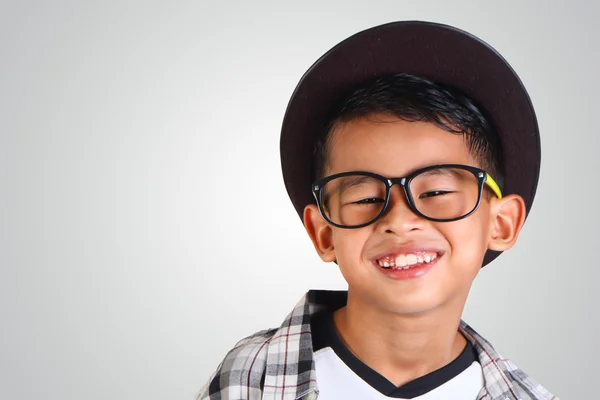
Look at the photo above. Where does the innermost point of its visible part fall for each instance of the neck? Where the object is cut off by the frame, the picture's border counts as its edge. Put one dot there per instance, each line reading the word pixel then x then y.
pixel 400 347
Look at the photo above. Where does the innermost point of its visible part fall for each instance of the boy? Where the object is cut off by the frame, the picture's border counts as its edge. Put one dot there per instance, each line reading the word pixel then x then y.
pixel 411 152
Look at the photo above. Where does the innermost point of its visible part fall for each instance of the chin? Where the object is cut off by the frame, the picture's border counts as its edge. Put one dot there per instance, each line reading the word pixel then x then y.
pixel 396 302
pixel 413 308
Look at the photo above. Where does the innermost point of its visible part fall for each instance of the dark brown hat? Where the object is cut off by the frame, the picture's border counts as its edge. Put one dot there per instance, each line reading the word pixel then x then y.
pixel 441 53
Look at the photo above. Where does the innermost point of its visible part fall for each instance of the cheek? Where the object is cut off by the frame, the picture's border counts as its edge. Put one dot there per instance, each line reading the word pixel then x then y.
pixel 349 245
pixel 469 238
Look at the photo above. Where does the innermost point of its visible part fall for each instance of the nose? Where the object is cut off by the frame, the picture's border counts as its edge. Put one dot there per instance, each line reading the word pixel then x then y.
pixel 399 217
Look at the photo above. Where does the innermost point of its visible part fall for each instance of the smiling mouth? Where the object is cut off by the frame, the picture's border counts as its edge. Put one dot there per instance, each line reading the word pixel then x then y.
pixel 407 260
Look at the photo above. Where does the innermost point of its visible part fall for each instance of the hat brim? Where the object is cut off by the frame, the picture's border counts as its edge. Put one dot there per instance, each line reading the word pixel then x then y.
pixel 441 53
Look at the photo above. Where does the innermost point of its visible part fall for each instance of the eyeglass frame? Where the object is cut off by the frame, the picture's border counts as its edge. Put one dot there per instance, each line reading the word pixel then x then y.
pixel 483 178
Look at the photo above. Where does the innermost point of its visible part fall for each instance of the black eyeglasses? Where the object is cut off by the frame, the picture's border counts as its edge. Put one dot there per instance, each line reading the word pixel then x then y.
pixel 443 193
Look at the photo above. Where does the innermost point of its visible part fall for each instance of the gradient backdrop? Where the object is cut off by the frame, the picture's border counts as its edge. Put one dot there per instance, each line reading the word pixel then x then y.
pixel 144 225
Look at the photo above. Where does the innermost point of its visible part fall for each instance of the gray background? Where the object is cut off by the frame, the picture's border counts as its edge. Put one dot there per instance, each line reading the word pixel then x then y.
pixel 144 225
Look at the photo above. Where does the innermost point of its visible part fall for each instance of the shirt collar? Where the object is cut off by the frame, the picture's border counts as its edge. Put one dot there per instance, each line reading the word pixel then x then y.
pixel 290 369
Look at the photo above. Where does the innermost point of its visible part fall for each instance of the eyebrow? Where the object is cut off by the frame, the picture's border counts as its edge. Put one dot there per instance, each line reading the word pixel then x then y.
pixel 354 181
pixel 348 182
pixel 442 171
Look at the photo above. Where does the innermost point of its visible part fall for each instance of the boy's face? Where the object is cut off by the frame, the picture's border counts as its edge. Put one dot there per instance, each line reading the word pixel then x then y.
pixel 395 148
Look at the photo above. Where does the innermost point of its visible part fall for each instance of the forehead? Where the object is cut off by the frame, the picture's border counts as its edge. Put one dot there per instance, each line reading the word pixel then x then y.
pixel 393 147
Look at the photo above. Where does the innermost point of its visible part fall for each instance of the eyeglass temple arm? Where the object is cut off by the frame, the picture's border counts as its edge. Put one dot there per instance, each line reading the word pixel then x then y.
pixel 317 199
pixel 493 185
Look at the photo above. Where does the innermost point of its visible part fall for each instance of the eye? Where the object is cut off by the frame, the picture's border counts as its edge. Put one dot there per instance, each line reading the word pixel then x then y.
pixel 434 193
pixel 370 200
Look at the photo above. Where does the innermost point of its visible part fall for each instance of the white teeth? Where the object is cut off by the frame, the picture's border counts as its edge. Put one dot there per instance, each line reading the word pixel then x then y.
pixel 411 259
pixel 401 261
pixel 406 261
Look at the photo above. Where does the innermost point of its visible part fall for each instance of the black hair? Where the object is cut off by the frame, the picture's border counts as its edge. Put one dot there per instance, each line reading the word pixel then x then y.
pixel 412 99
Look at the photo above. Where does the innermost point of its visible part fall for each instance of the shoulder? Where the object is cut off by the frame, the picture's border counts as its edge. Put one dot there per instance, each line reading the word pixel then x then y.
pixel 524 386
pixel 503 379
pixel 241 372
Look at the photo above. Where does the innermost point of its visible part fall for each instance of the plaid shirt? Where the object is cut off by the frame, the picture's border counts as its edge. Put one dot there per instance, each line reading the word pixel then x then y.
pixel 278 363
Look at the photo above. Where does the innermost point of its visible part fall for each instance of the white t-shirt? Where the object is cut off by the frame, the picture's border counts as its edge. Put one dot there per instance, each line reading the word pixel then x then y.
pixel 340 375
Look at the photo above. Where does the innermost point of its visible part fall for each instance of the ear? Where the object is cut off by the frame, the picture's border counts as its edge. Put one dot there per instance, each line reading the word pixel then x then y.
pixel 320 232
pixel 508 216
